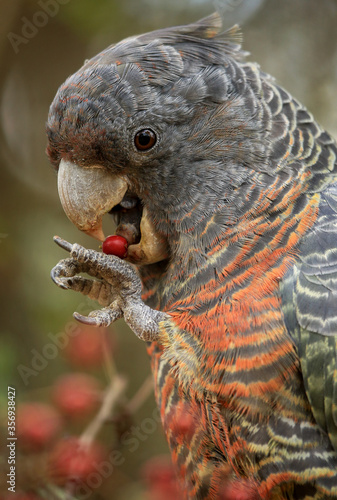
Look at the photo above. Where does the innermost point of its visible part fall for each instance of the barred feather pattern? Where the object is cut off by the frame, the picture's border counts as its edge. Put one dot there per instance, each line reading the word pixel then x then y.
pixel 243 187
pixel 230 352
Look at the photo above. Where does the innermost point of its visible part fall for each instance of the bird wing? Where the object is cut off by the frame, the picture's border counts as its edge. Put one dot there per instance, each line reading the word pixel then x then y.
pixel 309 295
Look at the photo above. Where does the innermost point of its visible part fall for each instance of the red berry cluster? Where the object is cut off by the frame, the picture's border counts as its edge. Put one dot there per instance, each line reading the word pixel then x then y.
pixel 161 479
pixel 47 432
pixel 70 460
pixel 76 395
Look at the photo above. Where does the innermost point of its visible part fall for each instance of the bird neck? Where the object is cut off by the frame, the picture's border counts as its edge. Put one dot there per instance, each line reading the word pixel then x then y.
pixel 216 259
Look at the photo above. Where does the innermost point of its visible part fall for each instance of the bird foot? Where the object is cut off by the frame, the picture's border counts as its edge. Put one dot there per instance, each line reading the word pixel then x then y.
pixel 112 282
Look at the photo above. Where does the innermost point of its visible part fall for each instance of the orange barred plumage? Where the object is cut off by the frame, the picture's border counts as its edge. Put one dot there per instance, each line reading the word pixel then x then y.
pixel 241 185
pixel 227 353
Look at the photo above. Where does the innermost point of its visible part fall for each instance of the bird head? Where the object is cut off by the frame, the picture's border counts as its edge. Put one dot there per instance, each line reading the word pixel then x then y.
pixel 155 127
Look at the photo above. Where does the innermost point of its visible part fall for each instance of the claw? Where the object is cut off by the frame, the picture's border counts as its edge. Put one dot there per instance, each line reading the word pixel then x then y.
pixel 63 243
pixel 101 317
pixel 57 280
pixel 87 320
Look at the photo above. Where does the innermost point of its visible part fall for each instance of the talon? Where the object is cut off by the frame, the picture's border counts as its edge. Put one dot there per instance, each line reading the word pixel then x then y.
pixel 57 280
pixel 61 285
pixel 102 317
pixel 87 320
pixel 63 243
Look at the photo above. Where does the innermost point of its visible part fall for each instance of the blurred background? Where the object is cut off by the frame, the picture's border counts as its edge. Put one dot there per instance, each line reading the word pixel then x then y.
pixel 41 43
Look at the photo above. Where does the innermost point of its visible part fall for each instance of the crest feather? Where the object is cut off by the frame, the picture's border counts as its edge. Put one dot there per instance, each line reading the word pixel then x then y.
pixel 204 31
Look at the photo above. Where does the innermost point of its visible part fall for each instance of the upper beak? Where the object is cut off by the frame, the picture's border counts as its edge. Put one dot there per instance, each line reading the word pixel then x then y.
pixel 87 193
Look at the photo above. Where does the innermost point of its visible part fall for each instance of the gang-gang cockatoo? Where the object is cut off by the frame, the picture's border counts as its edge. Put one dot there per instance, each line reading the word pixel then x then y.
pixel 225 188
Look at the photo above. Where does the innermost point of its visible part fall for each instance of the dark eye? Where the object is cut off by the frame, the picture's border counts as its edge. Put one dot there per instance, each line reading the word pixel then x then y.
pixel 145 139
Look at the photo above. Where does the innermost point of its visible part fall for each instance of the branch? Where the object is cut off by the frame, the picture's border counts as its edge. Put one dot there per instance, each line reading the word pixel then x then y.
pixel 111 397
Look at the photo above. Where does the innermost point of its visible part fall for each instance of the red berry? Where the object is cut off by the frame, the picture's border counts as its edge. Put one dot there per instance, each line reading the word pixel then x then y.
pixel 158 469
pixel 71 461
pixel 241 489
pixel 86 350
pixel 161 480
pixel 38 424
pixel 115 245
pixel 183 424
pixel 76 394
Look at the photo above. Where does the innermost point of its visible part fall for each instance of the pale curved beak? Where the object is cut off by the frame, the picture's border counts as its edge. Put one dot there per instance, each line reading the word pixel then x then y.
pixel 87 193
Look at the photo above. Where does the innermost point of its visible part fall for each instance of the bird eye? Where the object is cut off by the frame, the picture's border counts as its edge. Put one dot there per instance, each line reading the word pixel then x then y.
pixel 145 139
